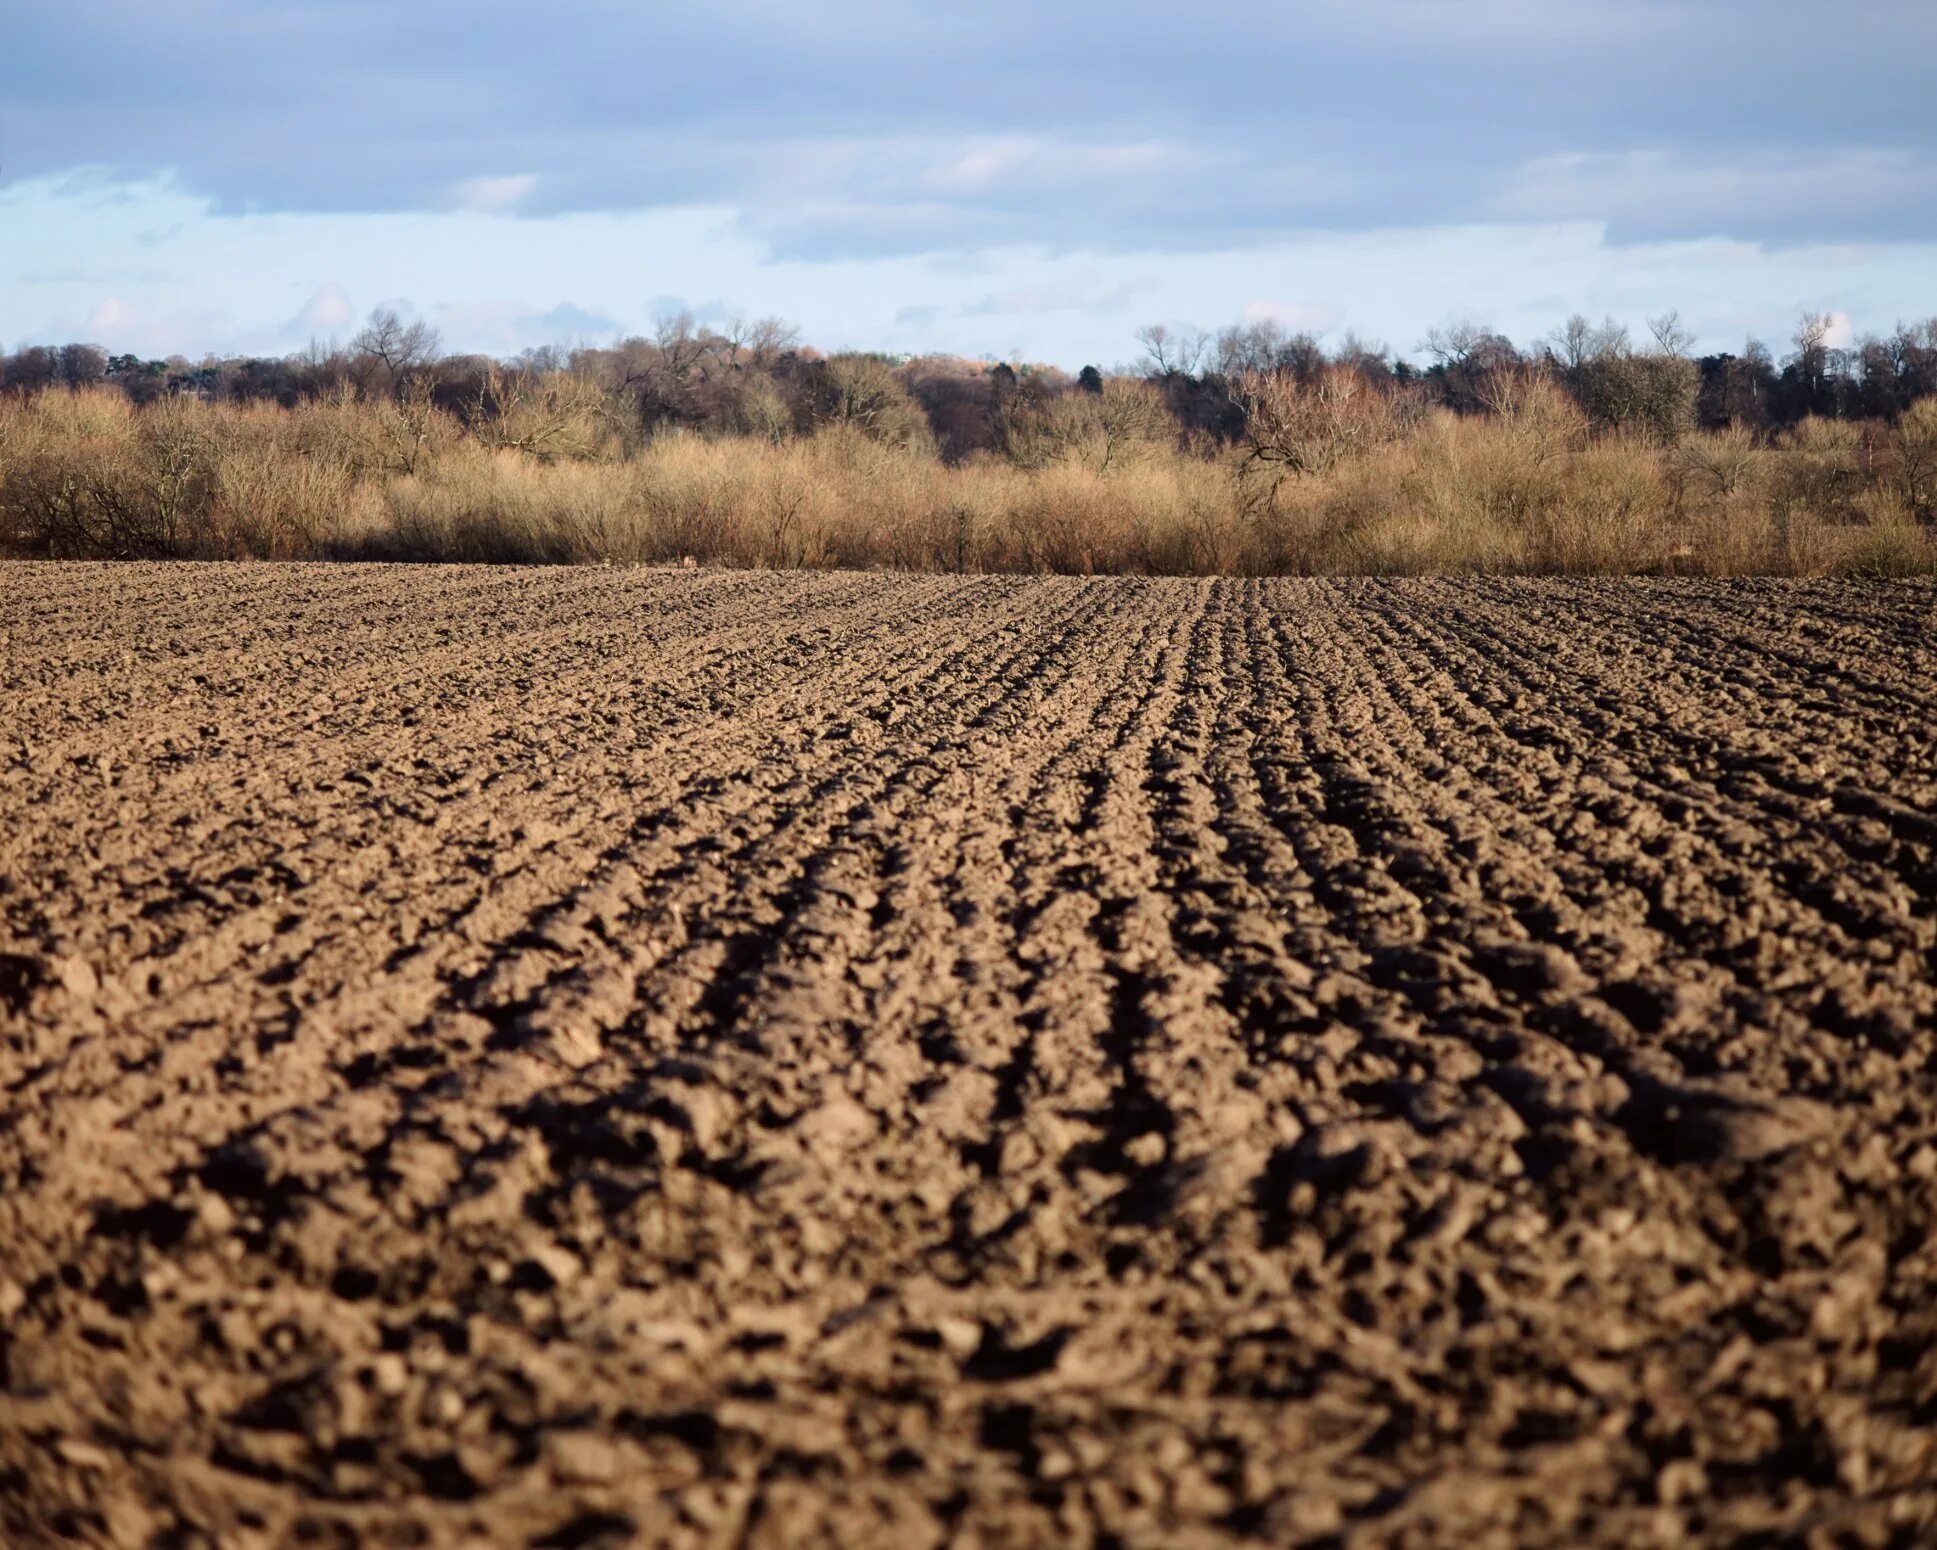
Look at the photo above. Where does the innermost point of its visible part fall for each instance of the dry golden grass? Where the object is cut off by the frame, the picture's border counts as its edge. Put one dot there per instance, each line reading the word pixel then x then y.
pixel 1094 486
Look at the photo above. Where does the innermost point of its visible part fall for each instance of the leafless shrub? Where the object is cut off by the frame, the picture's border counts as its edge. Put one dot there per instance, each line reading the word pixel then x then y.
pixel 1295 426
pixel 545 414
pixel 862 393
pixel 1729 462
pixel 1819 470
pixel 1914 447
pixel 1122 422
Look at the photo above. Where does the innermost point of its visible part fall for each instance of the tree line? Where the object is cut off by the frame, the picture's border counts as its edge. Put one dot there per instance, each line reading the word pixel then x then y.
pixel 757 378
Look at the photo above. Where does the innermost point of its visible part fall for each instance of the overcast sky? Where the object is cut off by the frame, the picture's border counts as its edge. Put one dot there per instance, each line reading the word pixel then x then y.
pixel 1019 179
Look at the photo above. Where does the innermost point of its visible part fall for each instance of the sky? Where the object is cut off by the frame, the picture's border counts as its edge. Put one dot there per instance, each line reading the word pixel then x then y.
pixel 1023 180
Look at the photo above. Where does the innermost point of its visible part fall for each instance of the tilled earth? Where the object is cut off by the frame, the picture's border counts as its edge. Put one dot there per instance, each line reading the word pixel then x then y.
pixel 605 1057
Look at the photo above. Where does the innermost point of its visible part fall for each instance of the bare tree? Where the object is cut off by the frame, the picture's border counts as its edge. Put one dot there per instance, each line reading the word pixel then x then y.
pixel 1651 392
pixel 682 344
pixel 1813 330
pixel 1454 344
pixel 1916 347
pixel 1465 355
pixel 83 365
pixel 1172 352
pixel 389 351
pixel 1671 337
pixel 1814 389
pixel 540 360
pixel 1267 345
pixel 1577 342
pixel 31 368
pixel 1812 346
pixel 1370 358
pixel 762 340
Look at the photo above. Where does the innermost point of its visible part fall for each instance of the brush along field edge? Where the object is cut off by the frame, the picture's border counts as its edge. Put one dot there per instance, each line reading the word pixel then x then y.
pixel 1525 490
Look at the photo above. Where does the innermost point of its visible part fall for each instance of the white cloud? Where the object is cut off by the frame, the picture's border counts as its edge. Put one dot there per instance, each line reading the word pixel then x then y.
pixel 977 168
pixel 494 195
pixel 120 323
pixel 1299 317
pixel 113 318
pixel 984 166
pixel 326 313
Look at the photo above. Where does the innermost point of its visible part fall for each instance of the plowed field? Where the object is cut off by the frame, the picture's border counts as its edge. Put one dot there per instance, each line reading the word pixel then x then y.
pixel 605 1057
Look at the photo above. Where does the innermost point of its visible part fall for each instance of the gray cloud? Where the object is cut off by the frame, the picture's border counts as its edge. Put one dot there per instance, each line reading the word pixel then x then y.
pixel 889 127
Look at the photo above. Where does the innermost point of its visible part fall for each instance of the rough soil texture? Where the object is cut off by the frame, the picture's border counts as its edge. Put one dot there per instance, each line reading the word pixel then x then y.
pixel 598 1057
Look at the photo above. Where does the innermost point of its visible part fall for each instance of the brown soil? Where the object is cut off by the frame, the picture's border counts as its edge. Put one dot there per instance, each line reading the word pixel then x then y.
pixel 585 1057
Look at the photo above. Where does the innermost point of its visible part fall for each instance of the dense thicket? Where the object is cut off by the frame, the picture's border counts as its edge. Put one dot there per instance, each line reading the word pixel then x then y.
pixel 1253 450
